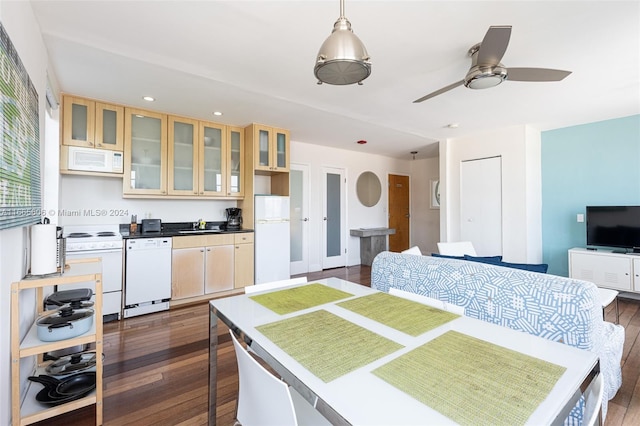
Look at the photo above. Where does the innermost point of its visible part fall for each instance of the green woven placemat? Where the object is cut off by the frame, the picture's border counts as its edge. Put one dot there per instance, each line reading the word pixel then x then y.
pixel 471 381
pixel 404 315
pixel 326 344
pixel 298 298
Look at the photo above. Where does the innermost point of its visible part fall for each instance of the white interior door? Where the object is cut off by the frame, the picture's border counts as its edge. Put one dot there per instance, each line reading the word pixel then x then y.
pixel 334 218
pixel 481 205
pixel 299 189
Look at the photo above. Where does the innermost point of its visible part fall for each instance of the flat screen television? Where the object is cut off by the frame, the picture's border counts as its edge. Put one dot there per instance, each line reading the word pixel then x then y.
pixel 613 226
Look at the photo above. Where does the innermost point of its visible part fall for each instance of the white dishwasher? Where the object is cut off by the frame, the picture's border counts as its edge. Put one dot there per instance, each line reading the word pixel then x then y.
pixel 147 285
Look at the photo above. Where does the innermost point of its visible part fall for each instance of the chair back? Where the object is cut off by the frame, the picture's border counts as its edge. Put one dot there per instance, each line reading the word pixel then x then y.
pixel 263 399
pixel 274 284
pixel 459 248
pixel 593 401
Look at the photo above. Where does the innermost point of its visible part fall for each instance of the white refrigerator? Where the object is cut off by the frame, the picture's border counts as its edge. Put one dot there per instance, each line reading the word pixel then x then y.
pixel 272 249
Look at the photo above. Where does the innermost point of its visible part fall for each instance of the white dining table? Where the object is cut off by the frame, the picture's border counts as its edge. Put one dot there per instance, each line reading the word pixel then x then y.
pixel 360 397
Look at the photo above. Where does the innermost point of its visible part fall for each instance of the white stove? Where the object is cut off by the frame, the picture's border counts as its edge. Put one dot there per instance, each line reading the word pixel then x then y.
pixel 105 242
pixel 92 237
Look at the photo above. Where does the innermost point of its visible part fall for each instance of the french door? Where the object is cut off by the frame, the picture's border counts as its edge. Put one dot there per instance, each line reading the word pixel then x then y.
pixel 334 219
pixel 299 190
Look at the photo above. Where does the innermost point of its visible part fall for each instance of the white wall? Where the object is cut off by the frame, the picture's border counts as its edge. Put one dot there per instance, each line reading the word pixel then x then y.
pixel 519 147
pixel 425 221
pixel 358 216
pixel 81 197
pixel 19 22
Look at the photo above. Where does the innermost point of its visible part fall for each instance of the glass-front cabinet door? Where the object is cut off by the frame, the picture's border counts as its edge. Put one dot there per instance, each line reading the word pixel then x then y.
pixel 145 170
pixel 263 149
pixel 183 156
pixel 271 147
pixel 109 123
pixel 281 150
pixel 78 125
pixel 235 138
pixel 92 124
pixel 212 180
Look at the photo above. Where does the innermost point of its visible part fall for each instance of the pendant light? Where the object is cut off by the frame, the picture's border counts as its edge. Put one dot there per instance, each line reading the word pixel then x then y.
pixel 342 58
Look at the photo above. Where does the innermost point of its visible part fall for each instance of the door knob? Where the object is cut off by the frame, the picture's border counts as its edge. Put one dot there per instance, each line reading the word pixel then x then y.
pixel 306 219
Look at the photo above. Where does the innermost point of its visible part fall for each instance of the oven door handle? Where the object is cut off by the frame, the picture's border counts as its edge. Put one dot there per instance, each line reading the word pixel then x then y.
pixel 86 253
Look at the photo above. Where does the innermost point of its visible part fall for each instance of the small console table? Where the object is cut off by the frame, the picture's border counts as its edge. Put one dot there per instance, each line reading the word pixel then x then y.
pixel 372 242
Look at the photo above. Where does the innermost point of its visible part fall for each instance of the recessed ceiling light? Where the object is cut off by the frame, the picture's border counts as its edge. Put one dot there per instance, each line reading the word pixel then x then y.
pixel 453 125
pixel 217 113
pixel 148 98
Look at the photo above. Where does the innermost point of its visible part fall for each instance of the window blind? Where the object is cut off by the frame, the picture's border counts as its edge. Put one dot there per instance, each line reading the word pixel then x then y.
pixel 20 186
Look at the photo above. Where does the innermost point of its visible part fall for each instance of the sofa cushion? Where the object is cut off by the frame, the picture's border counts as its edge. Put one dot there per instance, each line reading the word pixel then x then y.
pixel 415 250
pixel 447 256
pixel 497 260
pixel 493 260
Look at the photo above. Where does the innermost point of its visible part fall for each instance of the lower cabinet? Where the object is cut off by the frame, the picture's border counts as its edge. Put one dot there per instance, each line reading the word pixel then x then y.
pixel 243 262
pixel 605 268
pixel 205 264
pixel 201 264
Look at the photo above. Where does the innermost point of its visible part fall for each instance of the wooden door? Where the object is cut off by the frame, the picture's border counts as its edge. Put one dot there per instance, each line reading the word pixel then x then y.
pixel 399 212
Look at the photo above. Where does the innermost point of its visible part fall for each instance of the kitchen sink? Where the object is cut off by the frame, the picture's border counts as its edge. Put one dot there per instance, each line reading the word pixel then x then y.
pixel 200 231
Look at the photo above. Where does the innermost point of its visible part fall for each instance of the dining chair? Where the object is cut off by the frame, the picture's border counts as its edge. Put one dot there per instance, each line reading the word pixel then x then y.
pixel 459 248
pixel 607 296
pixel 429 301
pixel 593 402
pixel 265 400
pixel 273 285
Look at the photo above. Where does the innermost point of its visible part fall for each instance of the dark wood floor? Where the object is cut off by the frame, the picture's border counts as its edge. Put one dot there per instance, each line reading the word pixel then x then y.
pixel 156 367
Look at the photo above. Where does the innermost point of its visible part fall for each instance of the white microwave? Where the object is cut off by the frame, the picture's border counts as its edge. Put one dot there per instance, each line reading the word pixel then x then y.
pixel 95 160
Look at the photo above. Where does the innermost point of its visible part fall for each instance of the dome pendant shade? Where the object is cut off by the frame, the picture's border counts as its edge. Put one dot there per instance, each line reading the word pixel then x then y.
pixel 342 58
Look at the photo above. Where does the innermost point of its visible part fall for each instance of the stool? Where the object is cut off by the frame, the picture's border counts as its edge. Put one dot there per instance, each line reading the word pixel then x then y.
pixel 606 297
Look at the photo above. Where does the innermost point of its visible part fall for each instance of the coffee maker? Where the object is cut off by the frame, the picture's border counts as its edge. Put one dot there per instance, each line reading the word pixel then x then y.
pixel 234 218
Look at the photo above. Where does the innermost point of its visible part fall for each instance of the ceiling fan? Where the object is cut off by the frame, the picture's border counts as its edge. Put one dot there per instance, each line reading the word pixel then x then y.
pixel 487 71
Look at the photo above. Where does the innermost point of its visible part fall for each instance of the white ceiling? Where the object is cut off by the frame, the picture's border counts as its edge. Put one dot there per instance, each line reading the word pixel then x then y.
pixel 254 61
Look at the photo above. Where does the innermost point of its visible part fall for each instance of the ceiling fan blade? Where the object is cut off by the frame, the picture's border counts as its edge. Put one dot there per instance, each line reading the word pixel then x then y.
pixel 439 92
pixel 536 74
pixel 494 45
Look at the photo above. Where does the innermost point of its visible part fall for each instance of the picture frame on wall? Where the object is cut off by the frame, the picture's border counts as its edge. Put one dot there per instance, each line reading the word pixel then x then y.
pixel 435 194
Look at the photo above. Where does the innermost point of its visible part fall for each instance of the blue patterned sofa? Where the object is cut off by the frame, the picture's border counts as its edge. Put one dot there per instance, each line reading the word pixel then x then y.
pixel 550 306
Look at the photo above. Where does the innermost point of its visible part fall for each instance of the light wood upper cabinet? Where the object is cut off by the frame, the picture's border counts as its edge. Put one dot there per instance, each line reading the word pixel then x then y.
pixel 235 162
pixel 271 148
pixel 183 157
pixel 212 171
pixel 145 153
pixel 92 124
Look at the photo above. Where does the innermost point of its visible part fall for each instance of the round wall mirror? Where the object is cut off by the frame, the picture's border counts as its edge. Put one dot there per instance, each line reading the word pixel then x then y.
pixel 368 189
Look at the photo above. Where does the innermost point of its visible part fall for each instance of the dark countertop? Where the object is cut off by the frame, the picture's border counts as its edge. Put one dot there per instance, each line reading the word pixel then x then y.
pixel 172 229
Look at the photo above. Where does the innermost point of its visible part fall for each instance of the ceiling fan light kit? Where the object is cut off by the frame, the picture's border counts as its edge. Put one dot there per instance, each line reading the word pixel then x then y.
pixel 486 70
pixel 342 58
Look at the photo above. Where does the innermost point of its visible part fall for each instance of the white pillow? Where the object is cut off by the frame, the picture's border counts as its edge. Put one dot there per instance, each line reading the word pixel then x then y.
pixel 415 250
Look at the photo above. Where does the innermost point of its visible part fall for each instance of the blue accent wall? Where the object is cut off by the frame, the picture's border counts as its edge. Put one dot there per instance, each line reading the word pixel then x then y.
pixel 590 164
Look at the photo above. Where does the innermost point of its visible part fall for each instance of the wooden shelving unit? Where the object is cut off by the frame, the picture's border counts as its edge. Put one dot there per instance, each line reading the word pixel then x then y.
pixel 30 411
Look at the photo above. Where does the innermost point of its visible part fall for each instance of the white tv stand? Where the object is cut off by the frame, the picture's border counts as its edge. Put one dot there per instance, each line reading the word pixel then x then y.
pixel 604 268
